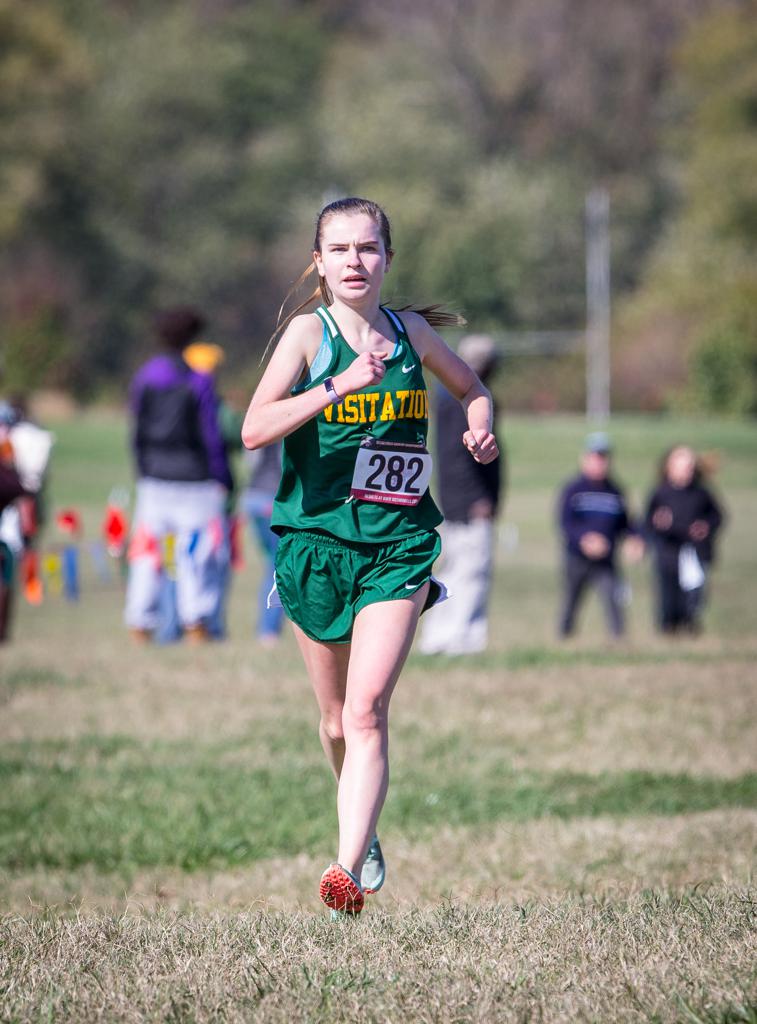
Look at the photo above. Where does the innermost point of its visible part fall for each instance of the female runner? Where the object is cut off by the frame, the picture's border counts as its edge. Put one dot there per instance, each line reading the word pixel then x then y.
pixel 344 388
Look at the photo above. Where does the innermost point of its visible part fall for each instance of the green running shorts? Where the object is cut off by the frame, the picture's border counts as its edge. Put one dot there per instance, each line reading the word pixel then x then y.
pixel 323 582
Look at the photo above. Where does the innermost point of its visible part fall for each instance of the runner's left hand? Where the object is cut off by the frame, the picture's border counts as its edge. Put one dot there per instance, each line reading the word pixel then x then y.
pixel 482 445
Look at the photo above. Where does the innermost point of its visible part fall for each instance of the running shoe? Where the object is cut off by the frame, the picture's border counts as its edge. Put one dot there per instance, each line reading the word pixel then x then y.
pixel 374 869
pixel 340 890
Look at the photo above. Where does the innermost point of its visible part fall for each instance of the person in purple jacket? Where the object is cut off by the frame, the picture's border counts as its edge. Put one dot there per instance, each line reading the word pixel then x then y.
pixel 593 519
pixel 183 478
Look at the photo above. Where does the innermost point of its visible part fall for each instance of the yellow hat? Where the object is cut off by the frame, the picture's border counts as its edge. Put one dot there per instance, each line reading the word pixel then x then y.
pixel 203 356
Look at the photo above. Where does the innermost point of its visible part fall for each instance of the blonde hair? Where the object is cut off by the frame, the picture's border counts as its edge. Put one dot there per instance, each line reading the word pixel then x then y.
pixel 434 314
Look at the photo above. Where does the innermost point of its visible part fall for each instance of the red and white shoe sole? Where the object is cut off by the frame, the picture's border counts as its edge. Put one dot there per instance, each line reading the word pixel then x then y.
pixel 339 892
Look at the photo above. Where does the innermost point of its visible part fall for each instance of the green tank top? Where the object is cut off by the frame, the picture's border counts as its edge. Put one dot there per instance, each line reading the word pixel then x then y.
pixel 318 458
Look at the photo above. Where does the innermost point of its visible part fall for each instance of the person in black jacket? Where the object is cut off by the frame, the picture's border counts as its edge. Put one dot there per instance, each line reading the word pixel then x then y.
pixel 469 496
pixel 593 519
pixel 682 520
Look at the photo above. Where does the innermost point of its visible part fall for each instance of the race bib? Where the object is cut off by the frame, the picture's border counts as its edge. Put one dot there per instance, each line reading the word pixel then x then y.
pixel 391 472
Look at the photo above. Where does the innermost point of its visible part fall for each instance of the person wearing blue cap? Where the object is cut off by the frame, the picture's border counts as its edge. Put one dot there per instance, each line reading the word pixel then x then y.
pixel 593 519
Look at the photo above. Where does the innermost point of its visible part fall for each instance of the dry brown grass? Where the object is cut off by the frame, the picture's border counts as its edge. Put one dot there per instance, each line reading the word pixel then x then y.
pixel 602 919
pixel 680 716
pixel 648 957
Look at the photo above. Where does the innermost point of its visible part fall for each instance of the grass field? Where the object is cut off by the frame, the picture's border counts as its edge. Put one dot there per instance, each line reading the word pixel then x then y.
pixel 570 828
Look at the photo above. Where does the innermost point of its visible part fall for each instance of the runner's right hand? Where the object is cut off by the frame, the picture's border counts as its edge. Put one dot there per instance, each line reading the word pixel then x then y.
pixel 367 369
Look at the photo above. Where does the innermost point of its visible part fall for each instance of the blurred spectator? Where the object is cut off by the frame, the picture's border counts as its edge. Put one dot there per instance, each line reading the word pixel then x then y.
pixel 205 357
pixel 682 521
pixel 183 481
pixel 32 446
pixel 257 503
pixel 11 488
pixel 469 495
pixel 24 455
pixel 593 518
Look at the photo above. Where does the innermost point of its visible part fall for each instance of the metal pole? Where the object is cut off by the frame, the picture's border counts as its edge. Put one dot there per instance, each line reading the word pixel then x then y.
pixel 598 305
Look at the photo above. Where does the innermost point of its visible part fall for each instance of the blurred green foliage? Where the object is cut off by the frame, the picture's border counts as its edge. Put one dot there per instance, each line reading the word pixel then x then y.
pixel 42 65
pixel 179 151
pixel 705 266
pixel 34 348
pixel 724 370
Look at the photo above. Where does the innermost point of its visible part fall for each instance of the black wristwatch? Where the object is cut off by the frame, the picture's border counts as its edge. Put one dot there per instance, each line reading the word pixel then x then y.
pixel 331 390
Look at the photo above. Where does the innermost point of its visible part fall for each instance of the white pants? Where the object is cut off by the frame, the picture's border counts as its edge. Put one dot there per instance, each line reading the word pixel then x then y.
pixel 191 513
pixel 460 625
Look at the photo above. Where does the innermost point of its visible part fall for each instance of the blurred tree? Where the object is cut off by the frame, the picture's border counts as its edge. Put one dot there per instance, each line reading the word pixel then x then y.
pixel 705 267
pixel 496 235
pixel 41 66
pixel 179 167
pixel 34 348
pixel 724 370
pixel 575 85
pixel 177 150
pixel 481 126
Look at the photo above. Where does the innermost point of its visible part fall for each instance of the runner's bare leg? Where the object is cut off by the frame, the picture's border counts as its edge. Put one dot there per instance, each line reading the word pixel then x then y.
pixel 326 666
pixel 381 640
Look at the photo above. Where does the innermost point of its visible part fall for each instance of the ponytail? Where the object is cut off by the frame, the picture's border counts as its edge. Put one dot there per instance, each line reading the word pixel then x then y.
pixel 282 322
pixel 435 315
